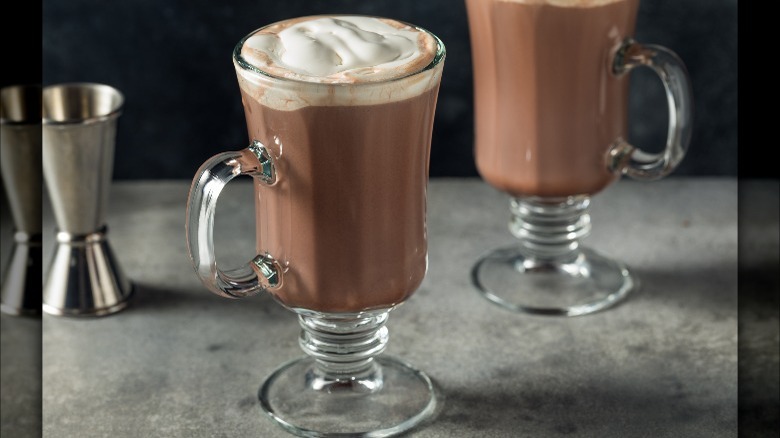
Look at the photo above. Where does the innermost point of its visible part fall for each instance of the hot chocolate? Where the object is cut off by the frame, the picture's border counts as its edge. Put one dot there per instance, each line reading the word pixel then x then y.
pixel 345 105
pixel 339 112
pixel 548 106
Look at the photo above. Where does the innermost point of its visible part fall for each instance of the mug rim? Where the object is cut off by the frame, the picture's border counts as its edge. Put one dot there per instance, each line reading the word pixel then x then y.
pixel 239 60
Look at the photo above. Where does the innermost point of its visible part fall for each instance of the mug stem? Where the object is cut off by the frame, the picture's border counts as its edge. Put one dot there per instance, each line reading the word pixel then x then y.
pixel 343 350
pixel 345 386
pixel 550 229
pixel 547 271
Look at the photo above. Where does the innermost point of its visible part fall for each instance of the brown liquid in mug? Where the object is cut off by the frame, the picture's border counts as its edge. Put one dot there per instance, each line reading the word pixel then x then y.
pixel 547 105
pixel 348 210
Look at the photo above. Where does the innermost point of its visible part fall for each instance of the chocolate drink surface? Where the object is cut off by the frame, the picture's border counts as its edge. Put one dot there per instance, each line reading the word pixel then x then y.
pixel 347 214
pixel 547 105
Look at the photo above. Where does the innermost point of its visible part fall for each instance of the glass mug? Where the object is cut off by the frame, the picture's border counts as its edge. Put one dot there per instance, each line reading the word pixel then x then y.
pixel 340 176
pixel 551 105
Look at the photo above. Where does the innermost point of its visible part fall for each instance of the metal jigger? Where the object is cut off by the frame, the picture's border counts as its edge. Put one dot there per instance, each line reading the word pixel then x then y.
pixel 20 162
pixel 79 131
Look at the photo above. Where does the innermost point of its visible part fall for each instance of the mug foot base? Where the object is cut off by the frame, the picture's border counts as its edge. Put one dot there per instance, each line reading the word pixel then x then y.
pixel 403 398
pixel 516 281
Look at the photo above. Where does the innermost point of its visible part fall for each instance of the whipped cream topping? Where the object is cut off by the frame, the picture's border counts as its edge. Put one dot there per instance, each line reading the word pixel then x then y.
pixel 337 60
pixel 339 49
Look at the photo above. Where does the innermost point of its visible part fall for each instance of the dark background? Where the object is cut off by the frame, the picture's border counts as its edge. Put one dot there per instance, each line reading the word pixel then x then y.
pixel 172 60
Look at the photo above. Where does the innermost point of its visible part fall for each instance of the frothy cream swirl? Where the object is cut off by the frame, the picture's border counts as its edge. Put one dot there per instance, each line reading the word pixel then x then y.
pixel 339 49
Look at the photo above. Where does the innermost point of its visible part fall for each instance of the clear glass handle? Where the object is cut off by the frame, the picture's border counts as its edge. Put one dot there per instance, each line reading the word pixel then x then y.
pixel 263 272
pixel 632 161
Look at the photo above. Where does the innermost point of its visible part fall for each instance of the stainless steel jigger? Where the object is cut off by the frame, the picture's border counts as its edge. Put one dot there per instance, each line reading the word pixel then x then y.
pixel 79 132
pixel 20 162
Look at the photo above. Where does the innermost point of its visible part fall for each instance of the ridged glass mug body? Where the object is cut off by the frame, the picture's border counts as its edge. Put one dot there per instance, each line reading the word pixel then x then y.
pixel 346 216
pixel 548 106
pixel 551 110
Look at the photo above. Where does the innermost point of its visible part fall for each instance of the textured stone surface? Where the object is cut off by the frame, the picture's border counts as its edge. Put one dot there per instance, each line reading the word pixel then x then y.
pixel 20 386
pixel 181 362
pixel 759 307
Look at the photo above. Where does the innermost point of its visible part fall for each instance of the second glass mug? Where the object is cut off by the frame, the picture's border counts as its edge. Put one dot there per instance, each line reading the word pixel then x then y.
pixel 340 176
pixel 551 106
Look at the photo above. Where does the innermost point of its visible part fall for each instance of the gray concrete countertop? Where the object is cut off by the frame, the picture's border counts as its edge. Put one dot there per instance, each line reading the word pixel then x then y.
pixel 181 362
